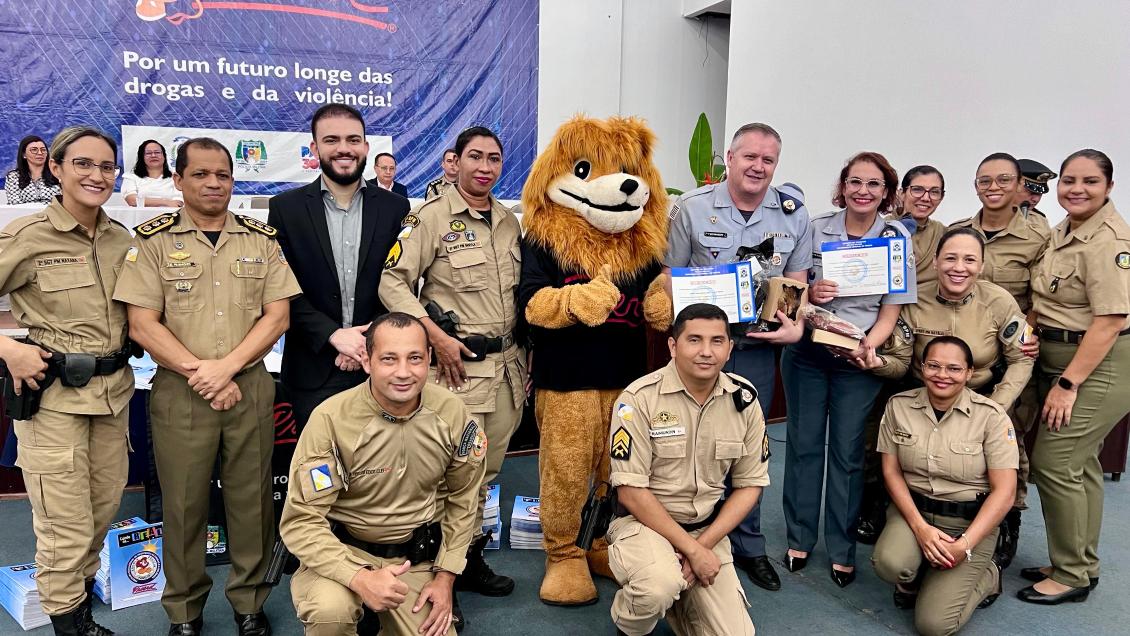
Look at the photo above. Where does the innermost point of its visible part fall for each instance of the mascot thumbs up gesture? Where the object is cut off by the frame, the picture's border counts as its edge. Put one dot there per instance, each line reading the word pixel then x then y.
pixel 595 216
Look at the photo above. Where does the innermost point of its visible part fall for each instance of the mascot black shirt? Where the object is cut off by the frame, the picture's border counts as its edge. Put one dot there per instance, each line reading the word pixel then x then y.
pixel 578 357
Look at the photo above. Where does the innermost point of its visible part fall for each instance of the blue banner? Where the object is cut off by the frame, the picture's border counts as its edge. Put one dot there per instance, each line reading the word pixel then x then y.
pixel 419 70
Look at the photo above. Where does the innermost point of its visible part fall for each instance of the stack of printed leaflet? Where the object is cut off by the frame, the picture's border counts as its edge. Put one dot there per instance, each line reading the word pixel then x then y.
pixel 102 578
pixel 20 597
pixel 132 571
pixel 492 519
pixel 525 524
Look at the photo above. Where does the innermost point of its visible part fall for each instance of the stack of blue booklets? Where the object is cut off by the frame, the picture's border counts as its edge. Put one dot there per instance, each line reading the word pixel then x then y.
pixel 102 578
pixel 525 524
pixel 20 597
pixel 492 519
pixel 132 570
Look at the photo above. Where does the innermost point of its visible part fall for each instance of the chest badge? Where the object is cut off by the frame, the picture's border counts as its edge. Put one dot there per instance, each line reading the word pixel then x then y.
pixel 666 418
pixel 177 244
pixel 470 234
pixel 458 226
pixel 713 220
pixel 1122 259
pixel 179 255
pixel 183 286
pixel 1054 286
pixel 451 237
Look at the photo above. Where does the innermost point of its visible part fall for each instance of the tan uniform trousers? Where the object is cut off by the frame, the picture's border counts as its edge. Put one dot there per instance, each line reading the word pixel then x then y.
pixel 187 437
pixel 1065 463
pixel 75 467
pixel 327 608
pixel 652 583
pixel 946 598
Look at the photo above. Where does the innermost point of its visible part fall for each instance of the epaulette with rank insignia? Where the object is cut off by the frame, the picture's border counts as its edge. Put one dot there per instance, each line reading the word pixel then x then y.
pixel 789 202
pixel 157 224
pixel 255 225
pixel 745 395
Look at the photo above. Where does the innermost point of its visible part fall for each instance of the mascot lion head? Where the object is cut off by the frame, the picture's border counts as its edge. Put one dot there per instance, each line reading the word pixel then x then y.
pixel 594 197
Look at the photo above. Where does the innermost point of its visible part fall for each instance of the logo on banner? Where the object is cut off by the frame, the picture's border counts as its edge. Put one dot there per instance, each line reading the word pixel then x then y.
pixel 251 154
pixel 310 161
pixel 174 149
pixel 154 10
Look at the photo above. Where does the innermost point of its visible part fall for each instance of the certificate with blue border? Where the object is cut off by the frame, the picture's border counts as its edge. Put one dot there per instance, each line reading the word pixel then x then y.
pixel 866 267
pixel 729 287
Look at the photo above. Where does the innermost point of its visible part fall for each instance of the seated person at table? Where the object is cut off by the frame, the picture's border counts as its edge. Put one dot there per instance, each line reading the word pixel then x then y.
pixel 31 181
pixel 949 463
pixel 150 185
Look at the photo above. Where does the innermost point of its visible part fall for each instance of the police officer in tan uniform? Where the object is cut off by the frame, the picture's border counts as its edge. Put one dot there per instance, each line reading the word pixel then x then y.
pixel 1036 177
pixel 464 245
pixel 920 194
pixel 365 482
pixel 60 266
pixel 440 185
pixel 1082 303
pixel 209 294
pixel 675 436
pixel 949 462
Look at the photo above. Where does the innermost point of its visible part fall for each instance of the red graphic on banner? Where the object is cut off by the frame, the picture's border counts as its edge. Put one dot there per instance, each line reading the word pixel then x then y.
pixel 153 10
pixel 286 427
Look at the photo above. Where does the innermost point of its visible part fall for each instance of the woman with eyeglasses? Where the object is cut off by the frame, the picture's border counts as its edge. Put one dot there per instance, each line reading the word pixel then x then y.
pixel 31 181
pixel 150 185
pixel 949 463
pixel 919 197
pixel 60 266
pixel 1081 297
pixel 828 393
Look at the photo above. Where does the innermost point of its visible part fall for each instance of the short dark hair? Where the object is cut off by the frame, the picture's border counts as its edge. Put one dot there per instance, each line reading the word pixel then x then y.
pixel 204 143
pixel 698 311
pixel 757 127
pixel 383 154
pixel 397 319
pixel 1098 156
pixel 1003 156
pixel 467 135
pixel 139 167
pixel 450 151
pixel 334 110
pixel 953 340
pixel 960 231
pixel 919 171
pixel 890 179
pixel 23 169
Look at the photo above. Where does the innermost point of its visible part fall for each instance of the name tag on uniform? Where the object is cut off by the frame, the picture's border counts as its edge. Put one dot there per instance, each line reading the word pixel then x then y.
pixel 60 260
pixel 930 332
pixel 671 431
pixel 715 234
pixel 463 246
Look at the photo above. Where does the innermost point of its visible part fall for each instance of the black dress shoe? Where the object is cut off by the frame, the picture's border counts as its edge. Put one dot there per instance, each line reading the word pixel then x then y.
pixel 1075 595
pixel 760 571
pixel 253 624
pixel 866 532
pixel 992 598
pixel 1035 575
pixel 794 563
pixel 905 600
pixel 195 627
pixel 843 579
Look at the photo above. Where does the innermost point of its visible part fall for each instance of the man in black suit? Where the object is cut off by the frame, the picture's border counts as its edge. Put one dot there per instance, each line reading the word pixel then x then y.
pixel 385 167
pixel 336 233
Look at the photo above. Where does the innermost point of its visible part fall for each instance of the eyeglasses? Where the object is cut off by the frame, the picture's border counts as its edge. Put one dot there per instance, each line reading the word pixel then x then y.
pixel 873 185
pixel 154 153
pixel 919 191
pixel 37 151
pixel 1003 180
pixel 83 168
pixel 934 368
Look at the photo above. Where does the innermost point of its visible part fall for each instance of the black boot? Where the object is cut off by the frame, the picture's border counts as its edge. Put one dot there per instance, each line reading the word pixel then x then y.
pixel 66 624
pixel 478 577
pixel 1007 539
pixel 86 615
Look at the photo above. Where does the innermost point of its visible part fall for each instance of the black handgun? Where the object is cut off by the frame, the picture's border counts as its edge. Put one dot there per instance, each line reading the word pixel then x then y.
pixel 282 562
pixel 448 321
pixel 596 515
pixel 26 404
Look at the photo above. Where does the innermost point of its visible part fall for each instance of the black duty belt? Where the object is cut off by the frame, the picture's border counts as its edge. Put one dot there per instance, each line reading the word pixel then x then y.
pixel 1067 337
pixel 499 344
pixel 698 525
pixel 963 509
pixel 422 546
pixel 76 369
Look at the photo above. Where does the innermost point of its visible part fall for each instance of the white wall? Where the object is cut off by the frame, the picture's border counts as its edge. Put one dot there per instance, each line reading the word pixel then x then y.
pixel 943 83
pixel 634 57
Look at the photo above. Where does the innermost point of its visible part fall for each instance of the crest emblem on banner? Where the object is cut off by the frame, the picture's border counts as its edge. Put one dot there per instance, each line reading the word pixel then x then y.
pixel 251 154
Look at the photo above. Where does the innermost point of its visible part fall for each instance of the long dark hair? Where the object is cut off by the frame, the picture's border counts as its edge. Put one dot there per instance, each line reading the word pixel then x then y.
pixel 139 167
pixel 23 170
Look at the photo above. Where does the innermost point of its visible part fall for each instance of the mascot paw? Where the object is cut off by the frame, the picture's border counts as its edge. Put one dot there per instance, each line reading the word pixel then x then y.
pixel 598 561
pixel 591 302
pixel 657 307
pixel 567 582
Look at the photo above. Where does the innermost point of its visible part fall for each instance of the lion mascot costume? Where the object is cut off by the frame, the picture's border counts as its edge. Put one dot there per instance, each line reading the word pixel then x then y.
pixel 595 216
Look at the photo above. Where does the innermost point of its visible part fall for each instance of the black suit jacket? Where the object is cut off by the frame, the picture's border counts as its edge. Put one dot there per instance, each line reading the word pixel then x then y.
pixel 299 215
pixel 397 187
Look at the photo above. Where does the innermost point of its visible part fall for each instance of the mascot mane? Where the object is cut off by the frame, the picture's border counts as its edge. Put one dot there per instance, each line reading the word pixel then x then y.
pixel 620 147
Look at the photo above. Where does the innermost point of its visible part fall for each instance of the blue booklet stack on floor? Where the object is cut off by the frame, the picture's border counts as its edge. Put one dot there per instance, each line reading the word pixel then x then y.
pixel 525 524
pixel 20 597
pixel 102 578
pixel 132 569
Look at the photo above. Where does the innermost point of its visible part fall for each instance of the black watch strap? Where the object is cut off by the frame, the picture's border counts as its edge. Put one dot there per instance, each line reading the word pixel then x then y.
pixel 1064 383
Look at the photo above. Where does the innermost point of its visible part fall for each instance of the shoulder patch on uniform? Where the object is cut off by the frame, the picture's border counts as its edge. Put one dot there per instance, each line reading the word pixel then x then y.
pixel 157 224
pixel 319 478
pixel 621 444
pixel 1122 259
pixel 410 220
pixel 394 255
pixel 625 412
pixel 746 393
pixel 765 454
pixel 675 207
pixel 1007 333
pixel 790 203
pixel 467 440
pixel 256 225
pixel 903 330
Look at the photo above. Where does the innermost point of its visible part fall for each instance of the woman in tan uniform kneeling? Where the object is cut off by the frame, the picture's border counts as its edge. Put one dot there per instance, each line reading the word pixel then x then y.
pixel 949 462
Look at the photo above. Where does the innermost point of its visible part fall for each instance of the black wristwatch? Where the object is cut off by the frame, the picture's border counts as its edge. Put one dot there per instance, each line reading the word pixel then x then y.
pixel 1065 384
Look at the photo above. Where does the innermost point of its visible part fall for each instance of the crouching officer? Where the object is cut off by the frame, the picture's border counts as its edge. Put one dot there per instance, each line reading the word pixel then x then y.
pixel 70 409
pixel 676 435
pixel 361 511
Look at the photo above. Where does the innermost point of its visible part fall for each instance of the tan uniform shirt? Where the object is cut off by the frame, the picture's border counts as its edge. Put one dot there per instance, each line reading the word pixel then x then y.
pixel 1011 254
pixel 1085 273
pixel 988 320
pixel 61 283
pixel 209 296
pixel 469 267
pixel 664 441
pixel 378 474
pixel 948 460
pixel 926 241
pixel 437 188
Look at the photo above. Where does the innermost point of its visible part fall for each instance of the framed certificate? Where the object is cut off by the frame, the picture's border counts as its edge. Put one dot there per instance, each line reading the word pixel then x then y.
pixel 730 287
pixel 866 267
